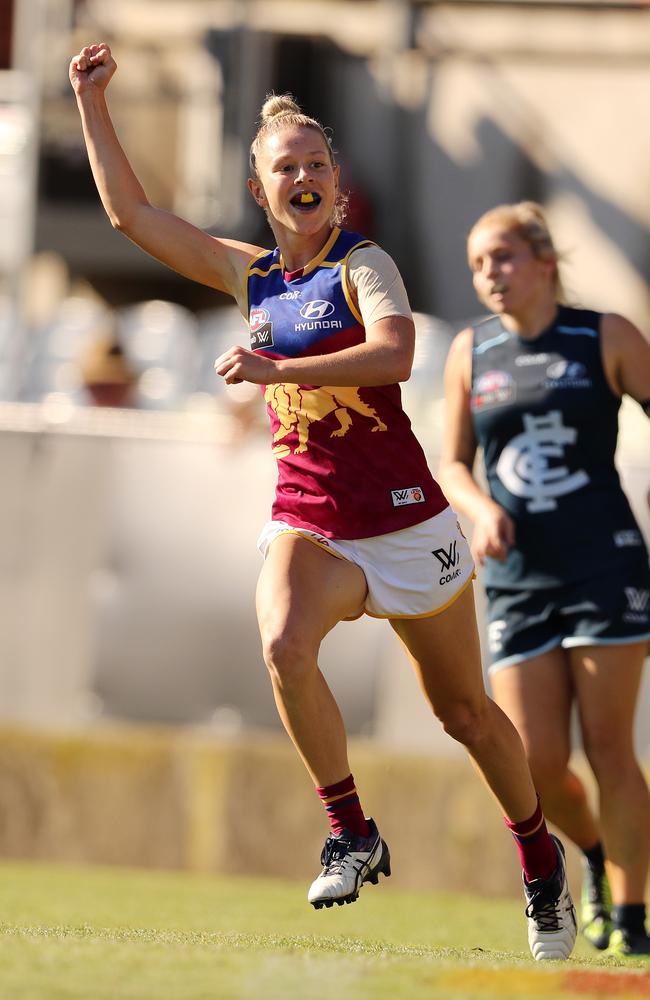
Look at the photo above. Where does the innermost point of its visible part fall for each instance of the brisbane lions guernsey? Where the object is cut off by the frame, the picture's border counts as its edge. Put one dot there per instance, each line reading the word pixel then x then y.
pixel 547 421
pixel 349 465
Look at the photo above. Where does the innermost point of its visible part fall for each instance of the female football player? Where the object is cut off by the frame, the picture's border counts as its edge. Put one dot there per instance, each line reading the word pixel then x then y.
pixel 538 386
pixel 358 523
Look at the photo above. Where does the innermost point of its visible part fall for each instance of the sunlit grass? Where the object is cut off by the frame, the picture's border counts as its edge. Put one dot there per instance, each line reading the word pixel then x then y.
pixel 91 933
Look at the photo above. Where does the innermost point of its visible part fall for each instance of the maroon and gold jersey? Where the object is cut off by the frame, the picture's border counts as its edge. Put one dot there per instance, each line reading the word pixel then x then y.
pixel 349 465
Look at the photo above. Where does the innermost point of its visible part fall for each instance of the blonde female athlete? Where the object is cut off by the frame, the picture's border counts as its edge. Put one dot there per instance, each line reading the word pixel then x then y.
pixel 538 386
pixel 358 524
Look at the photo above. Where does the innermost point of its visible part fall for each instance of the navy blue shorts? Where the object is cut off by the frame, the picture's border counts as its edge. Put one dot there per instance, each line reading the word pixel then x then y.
pixel 611 609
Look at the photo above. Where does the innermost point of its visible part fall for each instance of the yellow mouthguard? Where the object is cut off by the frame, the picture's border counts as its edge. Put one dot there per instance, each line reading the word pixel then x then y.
pixel 306 197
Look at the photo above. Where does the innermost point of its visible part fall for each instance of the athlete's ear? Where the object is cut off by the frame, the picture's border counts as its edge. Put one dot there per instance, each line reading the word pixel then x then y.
pixel 337 177
pixel 257 191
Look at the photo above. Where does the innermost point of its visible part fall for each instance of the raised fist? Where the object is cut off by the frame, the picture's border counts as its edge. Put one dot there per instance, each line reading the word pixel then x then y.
pixel 93 67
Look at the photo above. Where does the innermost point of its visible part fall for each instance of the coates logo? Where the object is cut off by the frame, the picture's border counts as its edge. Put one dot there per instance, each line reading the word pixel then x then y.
pixel 530 359
pixel 258 318
pixel 493 387
pixel 316 309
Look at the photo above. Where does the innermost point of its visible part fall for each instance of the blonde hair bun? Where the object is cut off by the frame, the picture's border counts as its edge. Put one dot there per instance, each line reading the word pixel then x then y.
pixel 276 105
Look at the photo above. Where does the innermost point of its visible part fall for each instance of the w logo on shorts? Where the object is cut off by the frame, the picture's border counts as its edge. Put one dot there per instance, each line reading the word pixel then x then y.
pixel 637 600
pixel 447 557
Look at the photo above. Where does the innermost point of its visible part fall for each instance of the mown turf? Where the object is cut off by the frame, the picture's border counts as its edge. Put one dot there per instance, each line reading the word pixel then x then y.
pixel 95 934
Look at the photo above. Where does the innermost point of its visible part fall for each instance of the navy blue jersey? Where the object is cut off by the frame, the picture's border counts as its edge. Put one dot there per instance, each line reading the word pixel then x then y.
pixel 547 421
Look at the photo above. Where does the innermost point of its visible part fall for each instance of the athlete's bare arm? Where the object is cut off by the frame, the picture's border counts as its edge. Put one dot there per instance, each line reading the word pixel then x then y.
pixel 384 358
pixel 215 262
pixel 493 528
pixel 379 296
pixel 626 359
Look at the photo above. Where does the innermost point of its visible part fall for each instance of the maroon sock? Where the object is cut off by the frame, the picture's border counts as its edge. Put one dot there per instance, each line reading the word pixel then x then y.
pixel 536 849
pixel 343 807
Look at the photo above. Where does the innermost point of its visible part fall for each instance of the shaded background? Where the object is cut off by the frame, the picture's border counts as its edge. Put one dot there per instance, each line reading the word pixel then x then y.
pixel 134 484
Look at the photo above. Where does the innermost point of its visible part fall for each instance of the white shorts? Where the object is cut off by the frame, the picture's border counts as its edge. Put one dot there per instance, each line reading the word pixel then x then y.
pixel 412 573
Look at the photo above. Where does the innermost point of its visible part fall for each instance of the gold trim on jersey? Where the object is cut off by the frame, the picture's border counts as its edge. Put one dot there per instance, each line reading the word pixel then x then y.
pixel 322 253
pixel 345 284
pixel 251 269
pixel 317 261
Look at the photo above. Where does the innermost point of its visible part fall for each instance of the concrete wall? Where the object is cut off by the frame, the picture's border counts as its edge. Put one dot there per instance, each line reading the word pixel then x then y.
pixel 128 570
pixel 127 580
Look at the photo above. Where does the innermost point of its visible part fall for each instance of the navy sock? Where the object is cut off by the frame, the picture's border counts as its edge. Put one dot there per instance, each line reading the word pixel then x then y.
pixel 629 917
pixel 595 857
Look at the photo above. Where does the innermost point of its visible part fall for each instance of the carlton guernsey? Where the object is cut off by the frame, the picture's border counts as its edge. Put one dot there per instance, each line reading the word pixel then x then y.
pixel 547 421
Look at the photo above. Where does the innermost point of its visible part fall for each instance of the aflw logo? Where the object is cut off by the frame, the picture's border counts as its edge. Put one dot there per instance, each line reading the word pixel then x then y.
pixel 447 557
pixel 637 600
pixel 413 494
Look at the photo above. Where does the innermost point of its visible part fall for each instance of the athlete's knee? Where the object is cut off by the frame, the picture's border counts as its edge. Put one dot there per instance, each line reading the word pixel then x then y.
pixel 548 766
pixel 467 722
pixel 288 655
pixel 610 755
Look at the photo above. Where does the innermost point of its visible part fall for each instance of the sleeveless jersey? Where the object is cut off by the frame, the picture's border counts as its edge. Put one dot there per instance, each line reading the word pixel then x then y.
pixel 349 465
pixel 547 421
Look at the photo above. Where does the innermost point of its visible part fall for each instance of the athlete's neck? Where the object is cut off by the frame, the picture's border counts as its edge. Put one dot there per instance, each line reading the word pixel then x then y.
pixel 530 323
pixel 298 250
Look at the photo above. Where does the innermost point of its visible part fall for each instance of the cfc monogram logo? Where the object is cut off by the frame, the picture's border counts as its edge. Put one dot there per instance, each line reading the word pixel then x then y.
pixel 530 464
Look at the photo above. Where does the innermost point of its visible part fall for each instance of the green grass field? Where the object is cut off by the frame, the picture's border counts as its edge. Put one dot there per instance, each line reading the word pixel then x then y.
pixel 94 934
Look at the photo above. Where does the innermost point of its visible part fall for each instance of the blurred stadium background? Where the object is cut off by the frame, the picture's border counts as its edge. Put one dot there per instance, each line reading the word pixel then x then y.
pixel 134 484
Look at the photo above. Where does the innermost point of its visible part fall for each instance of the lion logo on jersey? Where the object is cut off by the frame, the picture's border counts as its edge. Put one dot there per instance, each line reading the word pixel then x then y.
pixel 298 408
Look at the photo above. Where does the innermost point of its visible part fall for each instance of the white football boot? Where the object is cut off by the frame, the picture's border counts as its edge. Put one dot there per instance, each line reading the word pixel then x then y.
pixel 552 925
pixel 348 861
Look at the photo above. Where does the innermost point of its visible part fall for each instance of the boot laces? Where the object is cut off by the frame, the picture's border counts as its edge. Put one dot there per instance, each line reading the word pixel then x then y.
pixel 334 854
pixel 543 908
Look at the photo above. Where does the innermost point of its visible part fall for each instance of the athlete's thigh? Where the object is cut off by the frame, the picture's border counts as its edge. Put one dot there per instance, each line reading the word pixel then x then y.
pixel 445 652
pixel 537 694
pixel 302 588
pixel 607 681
